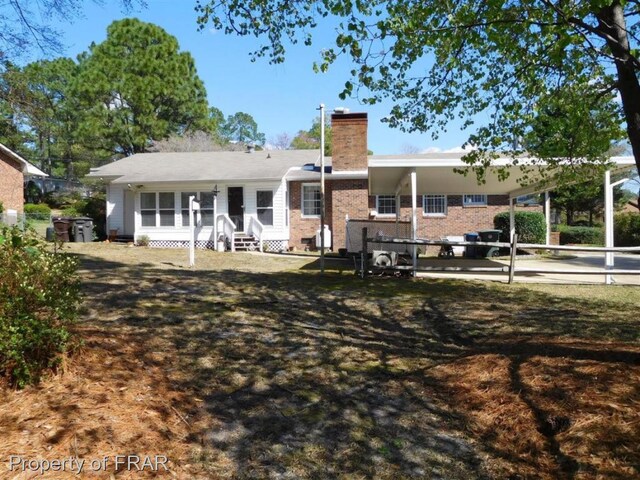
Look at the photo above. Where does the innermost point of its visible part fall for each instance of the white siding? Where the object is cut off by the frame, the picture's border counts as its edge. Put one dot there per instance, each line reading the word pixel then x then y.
pixel 278 231
pixel 115 202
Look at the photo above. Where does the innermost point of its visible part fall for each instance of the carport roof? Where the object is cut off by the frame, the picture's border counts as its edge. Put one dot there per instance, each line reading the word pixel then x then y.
pixel 435 174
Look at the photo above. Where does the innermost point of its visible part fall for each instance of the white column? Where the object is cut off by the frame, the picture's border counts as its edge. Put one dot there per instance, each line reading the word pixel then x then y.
pixel 547 216
pixel 192 233
pixel 608 225
pixel 414 218
pixel 512 218
pixel 215 222
pixel 322 213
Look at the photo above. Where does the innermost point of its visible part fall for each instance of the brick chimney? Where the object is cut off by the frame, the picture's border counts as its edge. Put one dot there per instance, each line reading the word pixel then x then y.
pixel 349 132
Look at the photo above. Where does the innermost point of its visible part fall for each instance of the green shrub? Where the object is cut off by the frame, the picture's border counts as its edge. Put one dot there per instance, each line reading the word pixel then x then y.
pixel 37 211
pixel 581 235
pixel 143 241
pixel 39 298
pixel 626 230
pixel 530 226
pixel 1 207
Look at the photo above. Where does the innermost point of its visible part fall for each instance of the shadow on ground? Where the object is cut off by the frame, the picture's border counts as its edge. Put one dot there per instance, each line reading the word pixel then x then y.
pixel 293 375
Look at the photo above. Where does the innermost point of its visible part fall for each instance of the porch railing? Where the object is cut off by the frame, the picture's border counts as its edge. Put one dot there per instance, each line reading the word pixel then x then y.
pixel 228 230
pixel 256 228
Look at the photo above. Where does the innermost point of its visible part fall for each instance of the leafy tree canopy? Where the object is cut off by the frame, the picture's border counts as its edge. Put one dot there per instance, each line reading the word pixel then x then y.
pixel 137 87
pixel 241 127
pixel 516 62
pixel 310 139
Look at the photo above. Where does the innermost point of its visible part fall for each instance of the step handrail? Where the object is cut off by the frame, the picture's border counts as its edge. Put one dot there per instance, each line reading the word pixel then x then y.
pixel 256 228
pixel 228 230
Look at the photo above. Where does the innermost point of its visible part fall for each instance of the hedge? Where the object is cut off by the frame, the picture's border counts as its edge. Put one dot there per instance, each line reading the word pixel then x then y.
pixel 39 299
pixel 530 226
pixel 37 211
pixel 626 230
pixel 581 235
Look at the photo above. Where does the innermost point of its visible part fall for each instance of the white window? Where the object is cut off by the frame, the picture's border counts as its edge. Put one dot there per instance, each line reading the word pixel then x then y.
pixel 311 200
pixel 264 202
pixel 206 208
pixel 167 202
pixel 184 206
pixel 386 204
pixel 435 205
pixel 158 209
pixel 148 209
pixel 474 200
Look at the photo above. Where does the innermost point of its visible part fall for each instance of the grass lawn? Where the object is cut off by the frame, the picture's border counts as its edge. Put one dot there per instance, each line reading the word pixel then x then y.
pixel 254 366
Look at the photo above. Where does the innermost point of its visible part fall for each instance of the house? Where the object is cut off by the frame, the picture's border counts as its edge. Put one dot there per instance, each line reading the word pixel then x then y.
pixel 13 171
pixel 275 196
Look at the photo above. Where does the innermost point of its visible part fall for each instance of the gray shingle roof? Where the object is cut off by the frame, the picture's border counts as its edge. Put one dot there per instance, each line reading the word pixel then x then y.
pixel 204 166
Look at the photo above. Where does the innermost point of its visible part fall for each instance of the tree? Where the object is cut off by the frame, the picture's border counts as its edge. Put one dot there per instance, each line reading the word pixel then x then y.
pixel 136 87
pixel 510 60
pixel 241 127
pixel 194 142
pixel 282 141
pixel 24 24
pixel 310 139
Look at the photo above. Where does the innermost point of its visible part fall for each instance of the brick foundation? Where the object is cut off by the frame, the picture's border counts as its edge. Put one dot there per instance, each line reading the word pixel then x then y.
pixel 11 184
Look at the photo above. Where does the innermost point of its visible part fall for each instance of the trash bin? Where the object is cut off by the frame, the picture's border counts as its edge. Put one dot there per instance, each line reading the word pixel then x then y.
pixel 83 229
pixel 50 234
pixel 471 251
pixel 62 227
pixel 490 236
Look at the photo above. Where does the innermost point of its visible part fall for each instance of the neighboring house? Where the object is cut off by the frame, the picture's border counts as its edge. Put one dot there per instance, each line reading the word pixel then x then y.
pixel 13 170
pixel 275 195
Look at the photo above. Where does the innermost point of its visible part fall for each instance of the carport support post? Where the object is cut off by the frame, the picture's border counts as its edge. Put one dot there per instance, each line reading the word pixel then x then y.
pixel 414 219
pixel 547 216
pixel 608 225
pixel 512 218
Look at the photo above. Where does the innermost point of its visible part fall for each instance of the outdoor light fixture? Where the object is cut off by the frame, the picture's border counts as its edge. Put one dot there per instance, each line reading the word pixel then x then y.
pixel 215 190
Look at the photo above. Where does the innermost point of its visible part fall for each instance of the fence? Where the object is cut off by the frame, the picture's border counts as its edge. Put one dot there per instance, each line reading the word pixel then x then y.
pixel 37 221
pixel 510 270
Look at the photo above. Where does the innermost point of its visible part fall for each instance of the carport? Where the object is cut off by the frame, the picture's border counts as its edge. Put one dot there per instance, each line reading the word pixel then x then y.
pixel 438 174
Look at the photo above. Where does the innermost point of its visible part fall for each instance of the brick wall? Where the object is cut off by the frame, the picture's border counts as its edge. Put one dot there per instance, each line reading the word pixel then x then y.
pixel 11 184
pixel 303 228
pixel 349 150
pixel 350 197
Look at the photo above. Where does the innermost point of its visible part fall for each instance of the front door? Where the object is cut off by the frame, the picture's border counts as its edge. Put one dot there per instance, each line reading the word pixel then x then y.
pixel 235 197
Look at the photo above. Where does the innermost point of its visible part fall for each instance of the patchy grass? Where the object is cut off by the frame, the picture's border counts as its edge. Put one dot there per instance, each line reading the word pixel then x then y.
pixel 256 367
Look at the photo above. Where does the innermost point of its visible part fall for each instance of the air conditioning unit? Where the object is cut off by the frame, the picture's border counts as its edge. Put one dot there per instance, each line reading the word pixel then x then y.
pixel 382 258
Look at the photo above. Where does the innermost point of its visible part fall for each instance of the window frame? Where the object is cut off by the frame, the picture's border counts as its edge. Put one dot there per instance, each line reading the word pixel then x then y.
pixel 302 200
pixel 474 203
pixel 435 214
pixel 379 213
pixel 154 210
pixel 258 207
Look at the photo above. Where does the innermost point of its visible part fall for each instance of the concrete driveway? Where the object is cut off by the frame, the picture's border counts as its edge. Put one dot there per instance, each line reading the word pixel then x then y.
pixel 580 261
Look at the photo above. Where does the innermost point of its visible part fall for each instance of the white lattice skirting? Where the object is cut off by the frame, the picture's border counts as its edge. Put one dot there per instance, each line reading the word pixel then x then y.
pixel 200 244
pixel 275 245
pixel 269 245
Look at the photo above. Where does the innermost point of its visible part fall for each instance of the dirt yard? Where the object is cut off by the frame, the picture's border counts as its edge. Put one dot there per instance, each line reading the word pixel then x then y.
pixel 254 366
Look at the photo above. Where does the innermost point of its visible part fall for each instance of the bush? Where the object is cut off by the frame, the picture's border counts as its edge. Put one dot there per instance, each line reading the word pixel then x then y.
pixel 581 235
pixel 39 298
pixel 1 207
pixel 530 226
pixel 626 230
pixel 37 211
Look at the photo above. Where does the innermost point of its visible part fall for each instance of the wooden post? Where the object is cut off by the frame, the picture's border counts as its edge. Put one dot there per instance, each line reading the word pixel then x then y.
pixel 364 264
pixel 512 263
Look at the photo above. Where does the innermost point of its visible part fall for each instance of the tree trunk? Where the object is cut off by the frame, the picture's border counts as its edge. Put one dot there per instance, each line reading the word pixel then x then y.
pixel 612 23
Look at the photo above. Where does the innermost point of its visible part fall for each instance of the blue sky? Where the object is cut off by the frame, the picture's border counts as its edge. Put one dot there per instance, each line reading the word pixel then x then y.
pixel 281 98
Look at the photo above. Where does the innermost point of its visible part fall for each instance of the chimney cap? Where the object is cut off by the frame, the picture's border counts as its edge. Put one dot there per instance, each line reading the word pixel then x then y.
pixel 341 110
